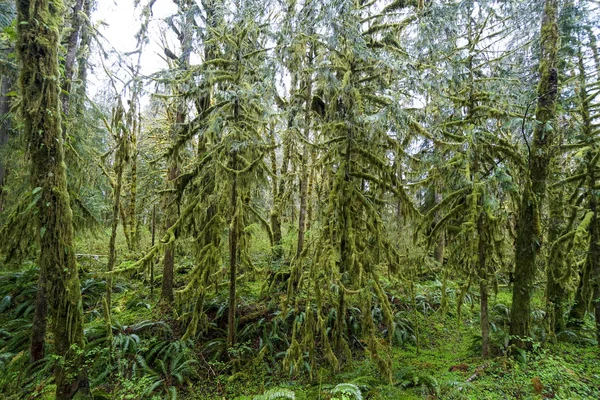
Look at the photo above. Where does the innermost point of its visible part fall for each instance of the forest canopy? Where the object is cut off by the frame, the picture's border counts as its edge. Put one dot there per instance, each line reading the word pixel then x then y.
pixel 269 199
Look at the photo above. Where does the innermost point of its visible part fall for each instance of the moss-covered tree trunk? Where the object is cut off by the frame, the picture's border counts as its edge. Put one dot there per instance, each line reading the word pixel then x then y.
pixel 69 60
pixel 37 350
pixel 483 287
pixel 304 178
pixel 556 294
pixel 594 248
pixel 120 136
pixel 166 294
pixel 529 234
pixel 592 157
pixel 234 230
pixel 581 301
pixel 133 161
pixel 5 128
pixel 39 24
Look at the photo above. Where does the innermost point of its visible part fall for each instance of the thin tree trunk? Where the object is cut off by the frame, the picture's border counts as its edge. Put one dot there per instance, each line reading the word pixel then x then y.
pixel 5 128
pixel 69 63
pixel 594 250
pixel 120 156
pixel 483 288
pixel 304 167
pixel 529 234
pixel 39 23
pixel 166 295
pixel 152 244
pixel 438 252
pixel 588 277
pixel 582 298
pixel 304 176
pixel 556 294
pixel 171 210
pixel 135 130
pixel 485 319
pixel 233 258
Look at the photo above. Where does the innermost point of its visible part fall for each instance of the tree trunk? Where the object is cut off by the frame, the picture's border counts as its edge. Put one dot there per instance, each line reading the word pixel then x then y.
pixel 438 252
pixel 171 210
pixel 135 130
pixel 589 276
pixel 483 288
pixel 5 128
pixel 529 234
pixel 485 319
pixel 37 350
pixel 556 294
pixel 152 244
pixel 594 251
pixel 69 63
pixel 120 155
pixel 304 172
pixel 39 23
pixel 233 258
pixel 582 298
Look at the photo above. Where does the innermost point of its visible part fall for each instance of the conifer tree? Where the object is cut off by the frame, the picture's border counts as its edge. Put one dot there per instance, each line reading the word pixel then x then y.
pixel 529 234
pixel 38 39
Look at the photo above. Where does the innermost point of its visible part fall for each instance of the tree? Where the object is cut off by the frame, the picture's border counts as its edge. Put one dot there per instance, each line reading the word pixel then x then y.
pixel 7 15
pixel 39 23
pixel 529 234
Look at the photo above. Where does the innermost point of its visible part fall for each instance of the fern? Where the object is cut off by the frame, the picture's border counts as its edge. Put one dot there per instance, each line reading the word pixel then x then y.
pixel 278 393
pixel 346 391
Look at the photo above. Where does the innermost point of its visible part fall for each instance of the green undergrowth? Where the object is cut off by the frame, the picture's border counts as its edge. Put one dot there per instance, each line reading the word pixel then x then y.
pixel 434 356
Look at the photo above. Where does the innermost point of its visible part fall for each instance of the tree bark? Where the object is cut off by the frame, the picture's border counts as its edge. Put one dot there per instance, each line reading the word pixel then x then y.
pixel 594 250
pixel 582 298
pixel 166 295
pixel 38 25
pixel 120 134
pixel 529 235
pixel 37 351
pixel 483 288
pixel 233 258
pixel 5 127
pixel 76 22
pixel 556 294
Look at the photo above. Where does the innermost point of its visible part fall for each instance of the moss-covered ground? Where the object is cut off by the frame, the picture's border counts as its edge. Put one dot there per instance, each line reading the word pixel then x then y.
pixel 435 356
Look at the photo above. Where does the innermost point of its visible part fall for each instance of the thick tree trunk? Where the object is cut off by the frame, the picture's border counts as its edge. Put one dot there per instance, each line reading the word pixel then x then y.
pixel 594 252
pixel 529 234
pixel 38 25
pixel 37 350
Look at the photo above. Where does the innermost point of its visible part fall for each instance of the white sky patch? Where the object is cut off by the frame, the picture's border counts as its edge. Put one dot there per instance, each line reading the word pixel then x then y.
pixel 120 22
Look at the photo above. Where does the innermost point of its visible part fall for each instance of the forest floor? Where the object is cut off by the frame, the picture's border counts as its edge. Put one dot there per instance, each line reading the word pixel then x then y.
pixel 434 355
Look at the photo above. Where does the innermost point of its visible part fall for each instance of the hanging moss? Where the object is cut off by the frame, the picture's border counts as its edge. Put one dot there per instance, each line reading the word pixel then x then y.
pixel 528 226
pixel 38 39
